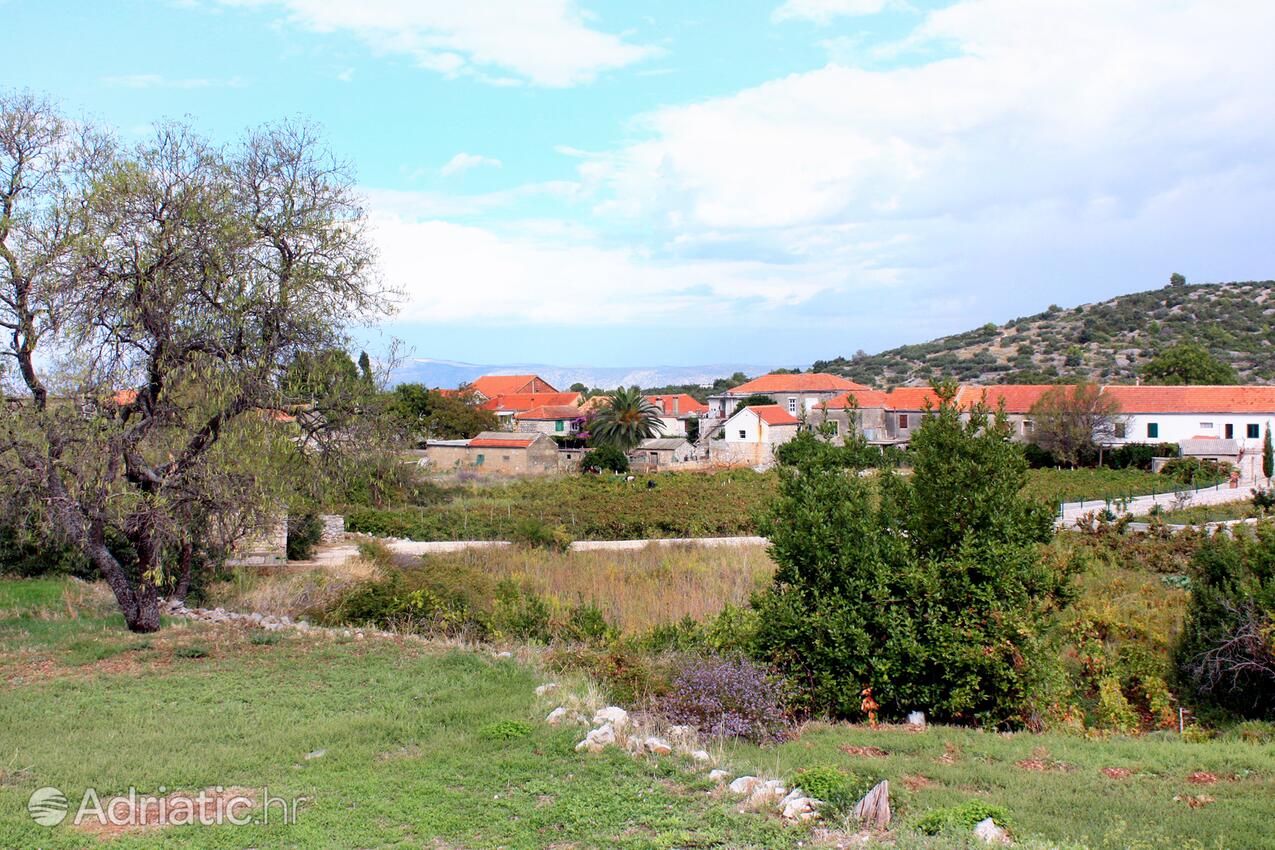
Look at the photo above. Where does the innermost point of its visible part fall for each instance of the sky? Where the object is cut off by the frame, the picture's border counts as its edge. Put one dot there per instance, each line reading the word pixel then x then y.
pixel 748 181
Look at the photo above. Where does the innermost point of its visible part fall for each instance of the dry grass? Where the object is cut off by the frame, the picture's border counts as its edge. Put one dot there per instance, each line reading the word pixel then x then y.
pixel 290 590
pixel 634 589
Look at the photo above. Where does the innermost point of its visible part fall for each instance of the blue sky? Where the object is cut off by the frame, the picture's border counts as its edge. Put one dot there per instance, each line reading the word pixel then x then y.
pixel 621 183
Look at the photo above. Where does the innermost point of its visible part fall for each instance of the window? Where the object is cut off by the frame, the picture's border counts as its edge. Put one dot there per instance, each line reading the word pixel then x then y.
pixel 1229 431
pixel 743 435
pixel 903 420
pixel 1120 430
pixel 1153 430
pixel 505 458
pixel 1028 426
pixel 1251 430
pixel 792 405
pixel 559 425
pixel 478 461
pixel 1206 426
pixel 836 427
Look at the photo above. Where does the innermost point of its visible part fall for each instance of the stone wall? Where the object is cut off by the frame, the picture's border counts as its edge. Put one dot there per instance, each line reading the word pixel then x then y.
pixel 333 528
pixel 267 547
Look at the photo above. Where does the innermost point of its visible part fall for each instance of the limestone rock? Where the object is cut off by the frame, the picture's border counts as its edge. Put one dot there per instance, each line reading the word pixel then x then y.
pixel 719 775
pixel 612 714
pixel 658 746
pixel 597 739
pixel 541 690
pixel 987 831
pixel 558 715
pixel 874 809
pixel 916 718
pixel 744 785
pixel 681 732
pixel 701 756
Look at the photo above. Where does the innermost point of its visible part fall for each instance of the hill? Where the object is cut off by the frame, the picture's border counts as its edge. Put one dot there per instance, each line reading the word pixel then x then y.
pixel 1106 342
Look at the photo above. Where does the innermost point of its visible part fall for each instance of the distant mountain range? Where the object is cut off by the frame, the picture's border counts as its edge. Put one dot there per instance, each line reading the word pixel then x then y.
pixel 1107 342
pixel 449 373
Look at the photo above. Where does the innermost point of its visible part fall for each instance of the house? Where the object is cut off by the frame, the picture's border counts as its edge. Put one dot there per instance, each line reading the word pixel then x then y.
pixel 506 407
pixel 494 452
pixel 489 387
pixel 676 411
pixel 663 453
pixel 1017 400
pixel 797 393
pixel 560 419
pixel 863 411
pixel 751 435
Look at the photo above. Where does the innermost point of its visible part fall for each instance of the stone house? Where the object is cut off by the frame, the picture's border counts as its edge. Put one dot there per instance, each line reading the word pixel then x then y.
pixel 676 410
pixel 663 453
pixel 750 436
pixel 493 386
pixel 798 394
pixel 562 420
pixel 507 407
pixel 494 453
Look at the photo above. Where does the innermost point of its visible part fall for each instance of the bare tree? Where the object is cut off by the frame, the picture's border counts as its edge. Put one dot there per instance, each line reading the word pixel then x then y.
pixel 154 297
pixel 1070 421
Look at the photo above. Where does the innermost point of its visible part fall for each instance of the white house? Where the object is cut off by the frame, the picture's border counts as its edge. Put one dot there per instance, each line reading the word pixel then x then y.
pixel 797 394
pixel 751 435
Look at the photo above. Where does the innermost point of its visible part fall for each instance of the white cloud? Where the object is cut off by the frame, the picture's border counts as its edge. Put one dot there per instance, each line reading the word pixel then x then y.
pixel 823 11
pixel 545 42
pixel 462 162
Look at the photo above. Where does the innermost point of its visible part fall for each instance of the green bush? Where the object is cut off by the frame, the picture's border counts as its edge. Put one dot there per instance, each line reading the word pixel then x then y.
pixel 1196 472
pixel 933 591
pixel 838 790
pixel 505 730
pixel 304 533
pixel 538 534
pixel 605 458
pixel 1226 656
pixel 962 817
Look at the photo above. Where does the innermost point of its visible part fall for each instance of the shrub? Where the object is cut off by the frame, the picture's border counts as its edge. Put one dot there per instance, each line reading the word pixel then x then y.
pixel 1226 656
pixel 734 697
pixel 520 615
pixel 962 817
pixel 538 534
pixel 304 532
pixel 889 590
pixel 605 458
pixel 1264 500
pixel 838 790
pixel 1195 472
pixel 1114 711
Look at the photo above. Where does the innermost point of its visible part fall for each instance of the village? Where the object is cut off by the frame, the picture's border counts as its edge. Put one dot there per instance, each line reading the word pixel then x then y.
pixel 542 428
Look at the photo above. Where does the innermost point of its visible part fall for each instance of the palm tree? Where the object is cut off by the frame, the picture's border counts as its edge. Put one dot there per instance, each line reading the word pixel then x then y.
pixel 627 420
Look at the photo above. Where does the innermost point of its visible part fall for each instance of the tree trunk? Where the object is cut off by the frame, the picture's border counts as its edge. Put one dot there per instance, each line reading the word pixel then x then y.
pixel 185 566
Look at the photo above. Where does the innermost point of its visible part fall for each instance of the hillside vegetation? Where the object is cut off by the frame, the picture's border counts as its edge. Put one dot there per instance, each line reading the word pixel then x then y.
pixel 1107 342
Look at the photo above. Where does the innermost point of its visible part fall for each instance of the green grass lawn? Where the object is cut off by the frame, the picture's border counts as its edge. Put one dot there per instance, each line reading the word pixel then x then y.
pixel 407 763
pixel 1052 784
pixel 1211 513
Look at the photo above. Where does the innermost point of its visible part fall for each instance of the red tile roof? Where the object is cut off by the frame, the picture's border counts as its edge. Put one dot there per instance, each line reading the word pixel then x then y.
pixel 496 385
pixel 551 411
pixel 816 382
pixel 773 414
pixel 1197 399
pixel 861 398
pixel 529 401
pixel 1018 398
pixel 912 398
pixel 515 441
pixel 685 404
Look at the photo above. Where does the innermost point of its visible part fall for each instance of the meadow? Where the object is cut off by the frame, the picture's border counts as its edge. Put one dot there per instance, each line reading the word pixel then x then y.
pixel 401 741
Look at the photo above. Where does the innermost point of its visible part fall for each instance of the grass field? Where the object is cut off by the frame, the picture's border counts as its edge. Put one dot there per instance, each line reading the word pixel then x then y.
pixel 1074 485
pixel 1211 513
pixel 403 751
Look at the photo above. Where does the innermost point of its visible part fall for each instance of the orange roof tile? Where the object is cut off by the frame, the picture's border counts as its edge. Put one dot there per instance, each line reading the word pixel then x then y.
pixel 495 385
pixel 1018 398
pixel 1197 399
pixel 912 398
pixel 529 401
pixel 551 411
pixel 683 403
pixel 773 414
pixel 816 382
pixel 858 398
pixel 514 442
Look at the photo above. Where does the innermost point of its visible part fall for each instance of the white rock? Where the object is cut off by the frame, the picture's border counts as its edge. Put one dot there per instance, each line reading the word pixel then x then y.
pixel 558 715
pixel 719 775
pixel 744 785
pixel 794 794
pixel 916 718
pixel 798 808
pixel 597 739
pixel 612 714
pixel 681 731
pixel 658 746
pixel 315 754
pixel 767 792
pixel 989 832
pixel 541 690
pixel 504 655
pixel 701 756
